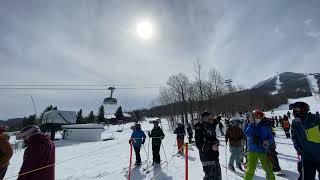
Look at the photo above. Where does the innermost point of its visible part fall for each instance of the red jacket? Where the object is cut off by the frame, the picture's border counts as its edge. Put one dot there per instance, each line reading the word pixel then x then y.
pixel 40 152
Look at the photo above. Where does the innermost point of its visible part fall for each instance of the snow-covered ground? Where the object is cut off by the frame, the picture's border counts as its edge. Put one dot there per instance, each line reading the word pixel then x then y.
pixel 313 84
pixel 278 86
pixel 107 159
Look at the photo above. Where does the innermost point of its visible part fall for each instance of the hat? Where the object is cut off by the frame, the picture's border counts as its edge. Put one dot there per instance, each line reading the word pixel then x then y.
pixel 155 122
pixel 28 132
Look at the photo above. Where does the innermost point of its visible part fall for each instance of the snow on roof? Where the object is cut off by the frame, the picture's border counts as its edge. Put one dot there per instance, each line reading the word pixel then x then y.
pixel 127 115
pixel 110 116
pixel 83 126
pixel 59 117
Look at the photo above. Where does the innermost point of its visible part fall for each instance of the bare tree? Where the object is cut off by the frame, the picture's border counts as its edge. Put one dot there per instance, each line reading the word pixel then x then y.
pixel 199 79
pixel 216 82
pixel 178 86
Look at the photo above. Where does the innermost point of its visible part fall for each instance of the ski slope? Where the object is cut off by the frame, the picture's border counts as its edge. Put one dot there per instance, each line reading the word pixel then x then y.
pixel 107 159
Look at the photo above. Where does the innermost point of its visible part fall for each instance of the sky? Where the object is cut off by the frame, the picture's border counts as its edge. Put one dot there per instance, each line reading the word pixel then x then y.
pixel 95 42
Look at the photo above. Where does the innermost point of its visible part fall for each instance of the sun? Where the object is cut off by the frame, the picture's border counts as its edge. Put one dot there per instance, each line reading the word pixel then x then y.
pixel 145 30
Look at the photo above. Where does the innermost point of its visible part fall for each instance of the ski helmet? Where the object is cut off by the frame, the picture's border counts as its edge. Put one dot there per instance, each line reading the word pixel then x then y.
pixel 299 109
pixel 258 113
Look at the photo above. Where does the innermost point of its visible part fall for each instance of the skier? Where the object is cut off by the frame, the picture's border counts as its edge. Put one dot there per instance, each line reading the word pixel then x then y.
pixel 190 132
pixel 306 139
pixel 286 126
pixel 6 152
pixel 277 121
pixel 235 135
pixel 208 146
pixel 218 119
pixel 180 132
pixel 40 153
pixel 157 136
pixel 137 139
pixel 281 121
pixel 259 137
pixel 289 114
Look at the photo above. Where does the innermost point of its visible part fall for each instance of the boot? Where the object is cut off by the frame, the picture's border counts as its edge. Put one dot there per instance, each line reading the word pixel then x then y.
pixel 239 167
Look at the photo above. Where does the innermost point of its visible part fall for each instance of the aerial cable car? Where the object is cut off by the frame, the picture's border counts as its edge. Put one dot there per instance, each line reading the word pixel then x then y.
pixel 110 100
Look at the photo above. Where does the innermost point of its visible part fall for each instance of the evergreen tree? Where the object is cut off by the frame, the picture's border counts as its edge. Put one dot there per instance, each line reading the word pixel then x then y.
pixel 119 114
pixel 91 118
pixel 80 119
pixel 31 120
pixel 101 114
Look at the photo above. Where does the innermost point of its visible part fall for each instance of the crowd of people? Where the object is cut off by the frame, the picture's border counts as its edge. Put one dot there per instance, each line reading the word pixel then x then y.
pixel 250 139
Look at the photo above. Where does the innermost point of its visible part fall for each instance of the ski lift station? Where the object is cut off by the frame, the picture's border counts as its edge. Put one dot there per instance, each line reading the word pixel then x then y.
pixel 82 132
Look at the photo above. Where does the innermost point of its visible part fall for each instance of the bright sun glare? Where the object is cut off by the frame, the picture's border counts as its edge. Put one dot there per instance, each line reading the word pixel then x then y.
pixel 144 30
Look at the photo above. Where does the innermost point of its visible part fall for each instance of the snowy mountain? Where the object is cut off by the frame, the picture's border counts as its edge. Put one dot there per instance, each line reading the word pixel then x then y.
pixel 291 85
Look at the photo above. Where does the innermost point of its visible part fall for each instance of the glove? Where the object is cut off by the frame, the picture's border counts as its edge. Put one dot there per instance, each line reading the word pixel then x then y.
pixel 130 141
pixel 266 145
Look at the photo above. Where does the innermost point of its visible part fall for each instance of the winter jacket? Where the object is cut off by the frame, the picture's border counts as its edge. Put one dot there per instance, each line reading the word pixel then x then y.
pixel 256 134
pixel 158 135
pixel 235 135
pixel 5 150
pixel 209 139
pixel 40 152
pixel 180 132
pixel 306 137
pixel 138 137
pixel 286 124
pixel 189 130
pixel 199 133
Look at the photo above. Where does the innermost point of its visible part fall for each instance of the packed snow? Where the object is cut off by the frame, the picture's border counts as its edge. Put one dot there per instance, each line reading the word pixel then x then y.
pixel 278 85
pixel 313 84
pixel 110 159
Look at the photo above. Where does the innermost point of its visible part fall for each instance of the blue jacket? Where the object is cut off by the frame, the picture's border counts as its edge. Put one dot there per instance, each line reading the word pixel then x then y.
pixel 180 132
pixel 306 137
pixel 138 137
pixel 256 134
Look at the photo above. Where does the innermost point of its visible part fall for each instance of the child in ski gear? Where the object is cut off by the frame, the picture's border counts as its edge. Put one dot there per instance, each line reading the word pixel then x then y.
pixel 259 137
pixel 157 135
pixel 190 133
pixel 208 146
pixel 180 132
pixel 305 132
pixel 286 126
pixel 137 139
pixel 6 152
pixel 234 134
pixel 40 152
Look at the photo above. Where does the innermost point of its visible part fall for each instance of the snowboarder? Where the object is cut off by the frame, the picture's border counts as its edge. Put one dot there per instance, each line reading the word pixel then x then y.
pixel 190 133
pixel 137 139
pixel 40 152
pixel 218 119
pixel 235 135
pixel 208 145
pixel 180 132
pixel 157 136
pixel 286 126
pixel 305 132
pixel 259 137
pixel 6 152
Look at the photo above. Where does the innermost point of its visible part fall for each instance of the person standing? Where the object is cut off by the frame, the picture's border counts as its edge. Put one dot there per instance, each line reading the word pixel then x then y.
pixel 286 126
pixel 180 132
pixel 289 114
pixel 208 146
pixel 190 133
pixel 234 136
pixel 137 139
pixel 157 136
pixel 259 137
pixel 40 153
pixel 6 152
pixel 218 119
pixel 305 131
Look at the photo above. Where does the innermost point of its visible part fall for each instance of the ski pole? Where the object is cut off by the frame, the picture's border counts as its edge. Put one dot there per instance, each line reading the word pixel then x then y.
pixel 148 154
pixel 226 158
pixel 164 152
pixel 130 162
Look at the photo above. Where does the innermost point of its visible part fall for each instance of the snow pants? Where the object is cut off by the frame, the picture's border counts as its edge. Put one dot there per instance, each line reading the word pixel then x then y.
pixel 310 169
pixel 287 131
pixel 235 155
pixel 212 171
pixel 180 143
pixel 3 171
pixel 252 164
pixel 156 153
pixel 137 151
